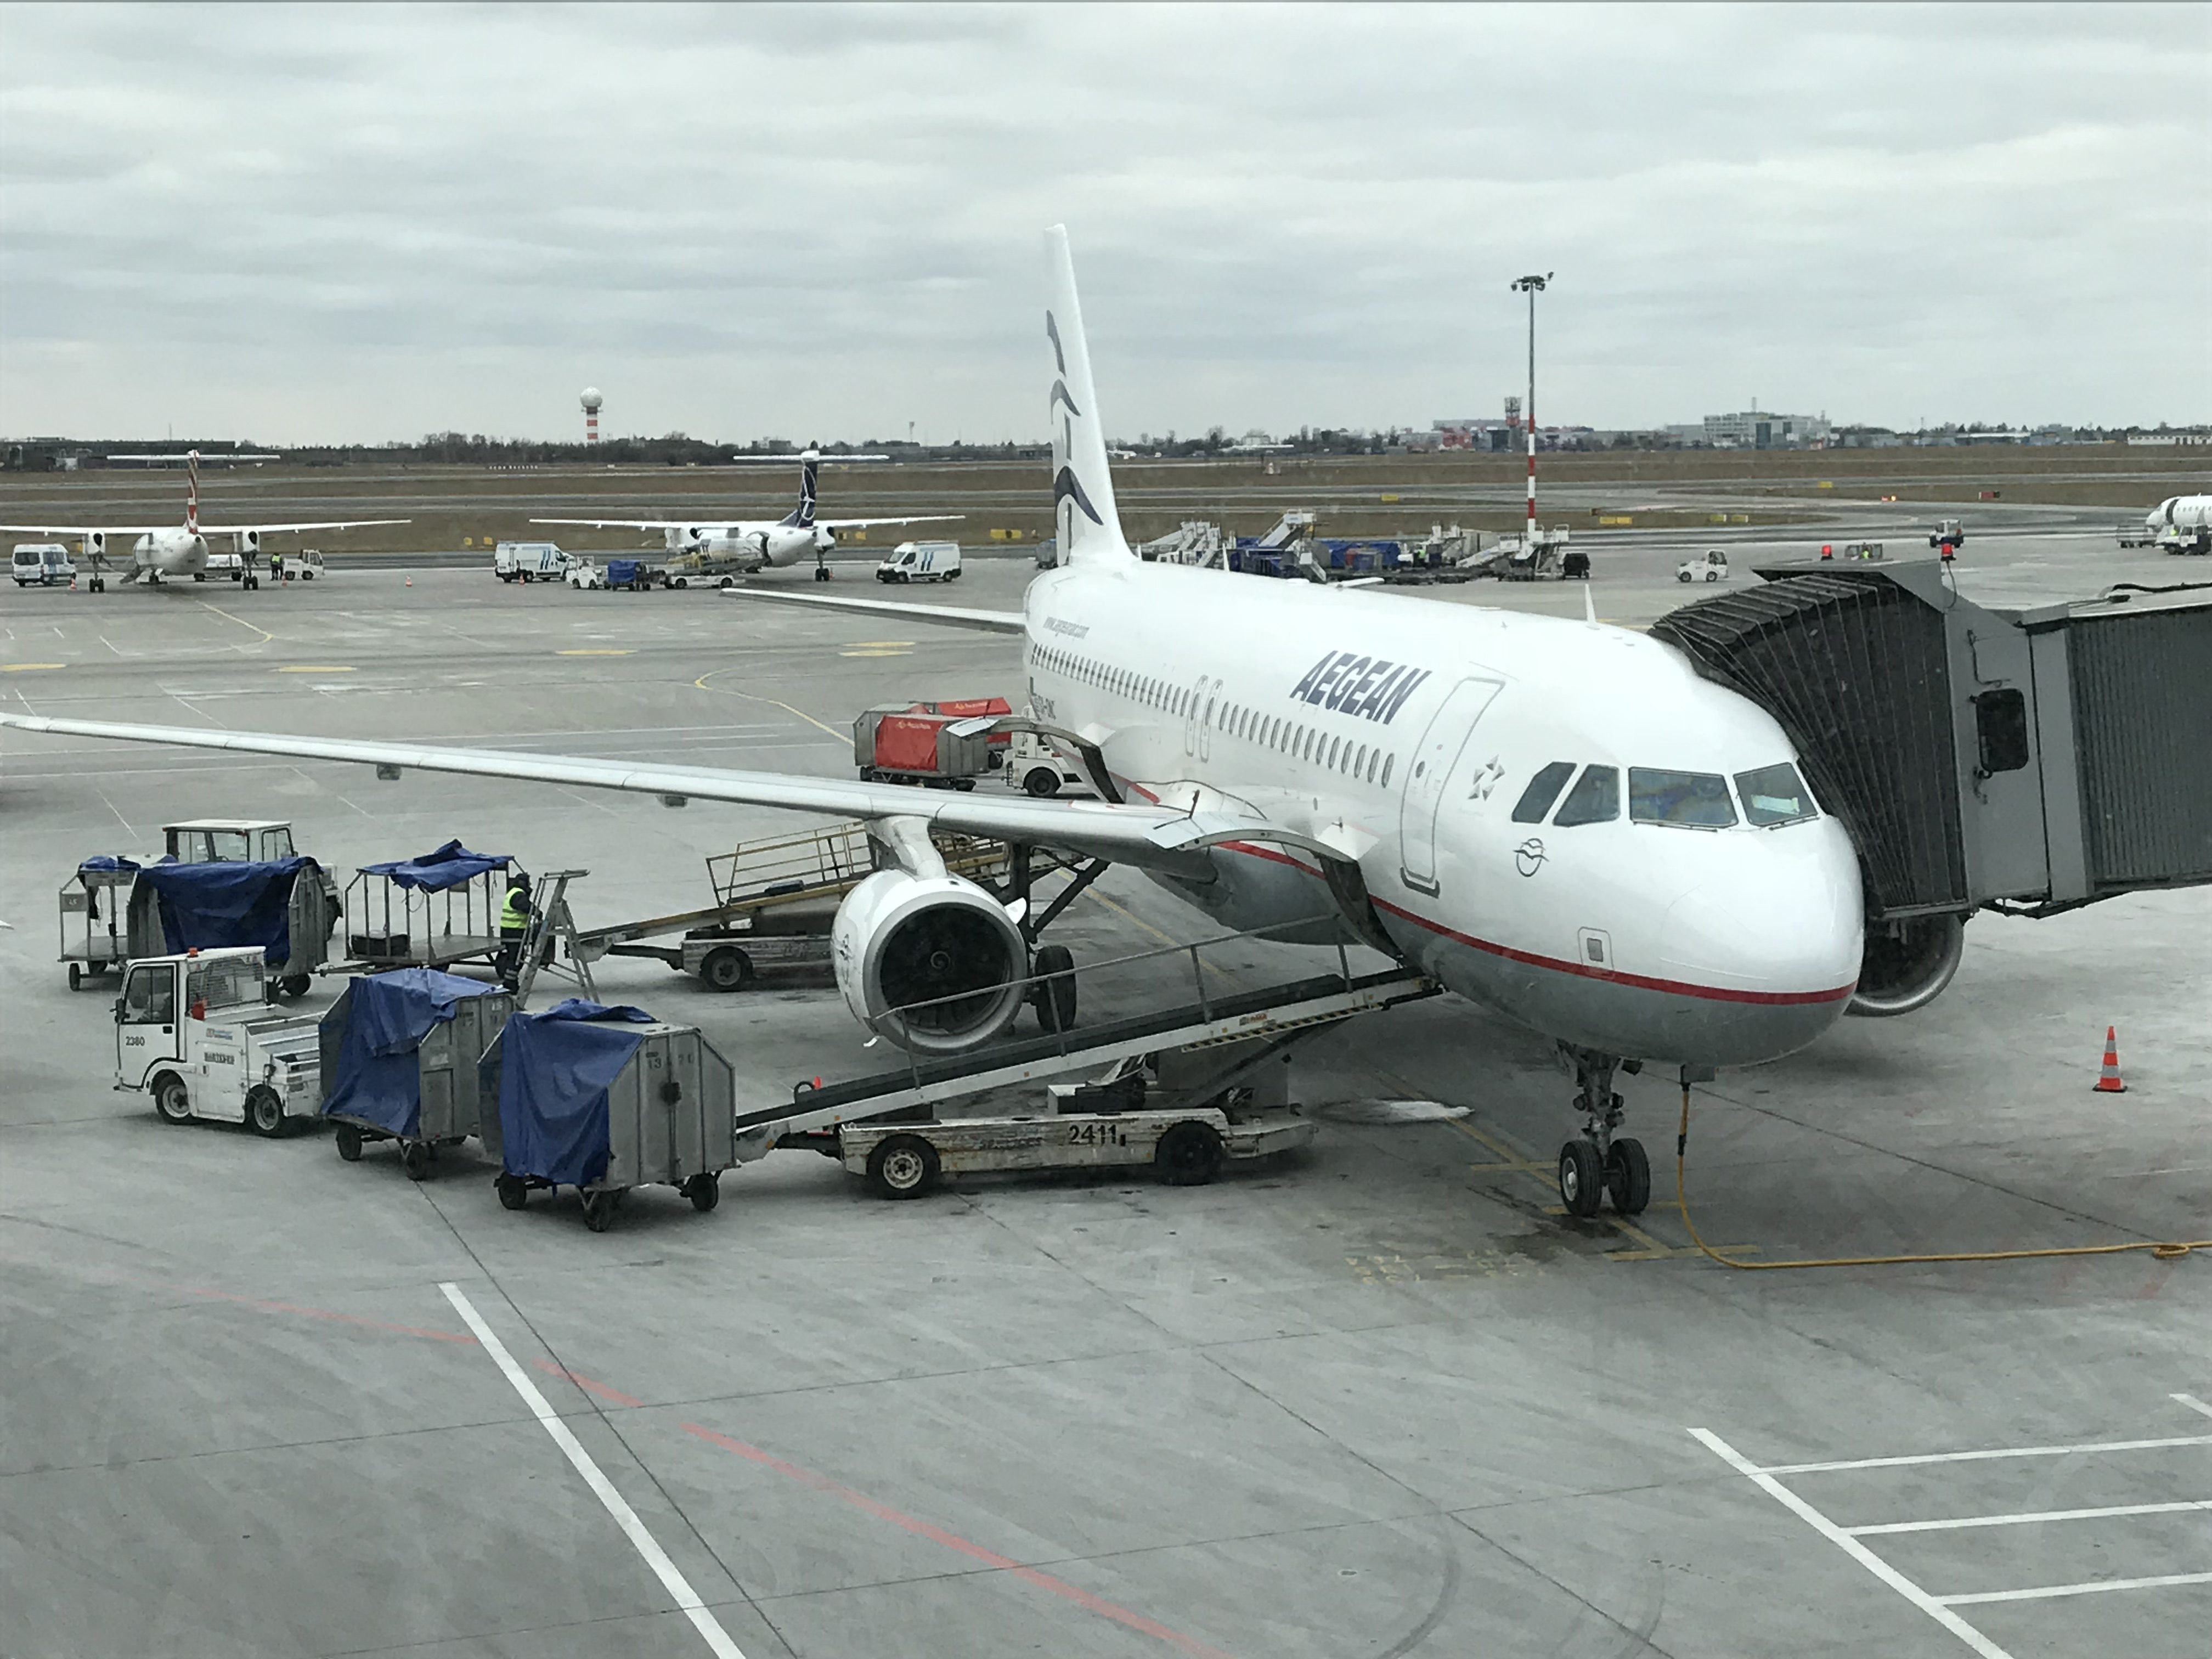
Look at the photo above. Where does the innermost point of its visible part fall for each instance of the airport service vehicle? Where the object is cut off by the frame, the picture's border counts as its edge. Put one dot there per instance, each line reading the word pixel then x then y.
pixel 159 551
pixel 227 840
pixel 921 561
pixel 1035 767
pixel 585 575
pixel 43 563
pixel 1950 536
pixel 529 561
pixel 1585 828
pixel 895 743
pixel 1712 567
pixel 751 544
pixel 196 1032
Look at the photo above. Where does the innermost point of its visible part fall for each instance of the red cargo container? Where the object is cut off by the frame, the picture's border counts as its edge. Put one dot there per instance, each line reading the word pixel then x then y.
pixel 905 746
pixel 907 743
pixel 968 707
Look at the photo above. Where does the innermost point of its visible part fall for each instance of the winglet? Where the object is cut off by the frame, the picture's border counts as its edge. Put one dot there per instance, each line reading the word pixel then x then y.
pixel 1084 515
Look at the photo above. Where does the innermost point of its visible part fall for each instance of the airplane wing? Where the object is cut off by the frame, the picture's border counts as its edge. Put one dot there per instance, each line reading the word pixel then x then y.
pixel 642 524
pixel 273 529
pixel 950 616
pixel 1152 837
pixel 86 529
pixel 863 523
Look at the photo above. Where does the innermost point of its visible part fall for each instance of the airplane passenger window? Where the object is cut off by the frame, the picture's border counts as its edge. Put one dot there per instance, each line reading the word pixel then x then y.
pixel 1305 745
pixel 1596 797
pixel 1388 761
pixel 1693 800
pixel 1329 759
pixel 1360 761
pixel 1775 794
pixel 1373 755
pixel 1543 789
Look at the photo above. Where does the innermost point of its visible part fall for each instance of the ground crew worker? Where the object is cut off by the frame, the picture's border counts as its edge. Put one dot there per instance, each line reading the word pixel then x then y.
pixel 276 564
pixel 513 923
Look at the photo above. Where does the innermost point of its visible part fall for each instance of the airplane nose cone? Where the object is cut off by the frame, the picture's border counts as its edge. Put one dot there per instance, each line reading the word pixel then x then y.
pixel 1773 941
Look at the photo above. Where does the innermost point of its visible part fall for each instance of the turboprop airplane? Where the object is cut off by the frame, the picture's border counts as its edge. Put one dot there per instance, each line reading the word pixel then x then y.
pixel 1558 819
pixel 762 544
pixel 181 550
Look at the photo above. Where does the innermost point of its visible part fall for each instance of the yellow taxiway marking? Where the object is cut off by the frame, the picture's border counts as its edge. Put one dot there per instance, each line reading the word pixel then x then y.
pixel 265 635
pixel 724 691
pixel 877 645
pixel 875 654
pixel 878 648
pixel 28 667
pixel 316 668
pixel 593 653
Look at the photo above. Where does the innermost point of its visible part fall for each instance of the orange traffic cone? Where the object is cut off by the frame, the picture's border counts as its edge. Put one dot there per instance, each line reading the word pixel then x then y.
pixel 410 581
pixel 2110 1083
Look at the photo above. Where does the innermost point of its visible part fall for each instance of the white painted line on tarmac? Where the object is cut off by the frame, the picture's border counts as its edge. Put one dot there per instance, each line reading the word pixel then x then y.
pixel 1985 1456
pixel 1764 1480
pixel 2032 1517
pixel 671 1576
pixel 2044 1592
pixel 2194 1403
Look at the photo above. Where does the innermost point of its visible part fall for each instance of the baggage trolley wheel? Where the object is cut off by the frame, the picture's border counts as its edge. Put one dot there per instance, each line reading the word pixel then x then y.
pixel 704 1190
pixel 75 978
pixel 295 985
pixel 727 969
pixel 1189 1155
pixel 599 1209
pixel 513 1191
pixel 264 1111
pixel 172 1100
pixel 1054 994
pixel 415 1158
pixel 349 1142
pixel 902 1166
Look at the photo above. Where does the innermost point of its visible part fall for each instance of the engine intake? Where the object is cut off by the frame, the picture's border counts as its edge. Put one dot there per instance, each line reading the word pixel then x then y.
pixel 1907 964
pixel 901 939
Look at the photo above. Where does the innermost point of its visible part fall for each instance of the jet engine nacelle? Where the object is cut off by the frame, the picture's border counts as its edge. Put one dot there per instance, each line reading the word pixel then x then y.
pixel 1907 964
pixel 901 939
pixel 740 547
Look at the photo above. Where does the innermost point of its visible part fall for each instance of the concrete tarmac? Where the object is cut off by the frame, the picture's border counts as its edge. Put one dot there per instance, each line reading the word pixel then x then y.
pixel 1378 1400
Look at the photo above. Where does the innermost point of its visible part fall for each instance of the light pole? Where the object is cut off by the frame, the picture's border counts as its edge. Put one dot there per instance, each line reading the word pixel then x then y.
pixel 1532 286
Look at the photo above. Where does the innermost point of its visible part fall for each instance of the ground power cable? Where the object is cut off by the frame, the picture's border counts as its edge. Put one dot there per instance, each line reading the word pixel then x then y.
pixel 2161 1250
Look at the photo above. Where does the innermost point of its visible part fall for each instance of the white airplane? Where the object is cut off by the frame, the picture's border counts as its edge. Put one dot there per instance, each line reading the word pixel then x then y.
pixel 762 543
pixel 2181 523
pixel 162 551
pixel 1558 819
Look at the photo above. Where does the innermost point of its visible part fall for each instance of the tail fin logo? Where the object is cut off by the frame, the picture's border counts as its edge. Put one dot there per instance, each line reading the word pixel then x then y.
pixel 802 516
pixel 1065 487
pixel 1052 333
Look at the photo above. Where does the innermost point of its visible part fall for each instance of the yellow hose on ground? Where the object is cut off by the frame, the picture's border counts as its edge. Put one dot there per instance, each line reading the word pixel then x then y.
pixel 2162 1251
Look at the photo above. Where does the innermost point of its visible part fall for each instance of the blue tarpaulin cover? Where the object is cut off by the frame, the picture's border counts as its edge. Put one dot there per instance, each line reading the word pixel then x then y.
pixel 449 867
pixel 104 863
pixel 205 906
pixel 554 1068
pixel 621 573
pixel 387 1017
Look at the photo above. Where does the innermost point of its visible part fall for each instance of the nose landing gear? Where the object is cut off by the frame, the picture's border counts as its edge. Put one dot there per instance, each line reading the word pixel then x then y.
pixel 1598 1165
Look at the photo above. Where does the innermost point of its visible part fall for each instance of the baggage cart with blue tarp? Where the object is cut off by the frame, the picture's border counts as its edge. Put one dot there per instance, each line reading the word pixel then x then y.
pixel 604 1099
pixel 400 1054
pixel 96 902
pixel 428 912
pixel 282 905
pixel 636 574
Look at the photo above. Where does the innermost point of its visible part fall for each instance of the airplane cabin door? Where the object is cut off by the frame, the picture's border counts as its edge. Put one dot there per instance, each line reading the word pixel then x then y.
pixel 1433 763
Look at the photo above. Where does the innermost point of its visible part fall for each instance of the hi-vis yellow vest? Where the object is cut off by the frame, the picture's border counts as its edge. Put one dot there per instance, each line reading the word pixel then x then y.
pixel 511 920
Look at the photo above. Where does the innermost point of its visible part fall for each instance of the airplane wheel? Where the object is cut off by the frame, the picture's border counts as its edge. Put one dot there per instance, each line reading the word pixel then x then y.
pixel 1054 994
pixel 822 572
pixel 1582 1178
pixel 1628 1178
pixel 902 1166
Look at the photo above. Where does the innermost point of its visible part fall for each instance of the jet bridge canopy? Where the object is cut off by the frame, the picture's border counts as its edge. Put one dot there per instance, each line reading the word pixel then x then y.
pixel 2050 758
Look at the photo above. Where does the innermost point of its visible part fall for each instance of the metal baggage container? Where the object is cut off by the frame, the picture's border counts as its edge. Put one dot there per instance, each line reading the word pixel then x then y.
pixel 445 1075
pixel 670 1114
pixel 310 911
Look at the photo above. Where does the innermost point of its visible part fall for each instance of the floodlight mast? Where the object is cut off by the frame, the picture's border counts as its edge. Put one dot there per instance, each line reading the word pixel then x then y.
pixel 1532 286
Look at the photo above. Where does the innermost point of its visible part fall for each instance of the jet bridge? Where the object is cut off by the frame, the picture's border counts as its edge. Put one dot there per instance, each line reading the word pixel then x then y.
pixel 2026 761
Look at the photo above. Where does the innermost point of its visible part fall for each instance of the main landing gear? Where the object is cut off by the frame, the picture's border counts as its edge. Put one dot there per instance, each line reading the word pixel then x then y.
pixel 1598 1165
pixel 821 564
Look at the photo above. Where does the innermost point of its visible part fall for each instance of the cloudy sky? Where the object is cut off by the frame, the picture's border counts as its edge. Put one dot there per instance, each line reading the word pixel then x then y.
pixel 370 222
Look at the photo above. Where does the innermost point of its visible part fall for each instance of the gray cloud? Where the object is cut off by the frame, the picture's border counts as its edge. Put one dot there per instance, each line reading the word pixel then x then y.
pixel 362 222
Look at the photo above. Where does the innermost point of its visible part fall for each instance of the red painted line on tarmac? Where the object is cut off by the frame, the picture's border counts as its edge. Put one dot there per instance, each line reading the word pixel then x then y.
pixel 327 1315
pixel 612 1396
pixel 1045 1581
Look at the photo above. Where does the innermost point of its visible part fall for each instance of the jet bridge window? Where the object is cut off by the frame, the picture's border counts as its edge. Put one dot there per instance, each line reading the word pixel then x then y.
pixel 1690 800
pixel 1543 789
pixel 1775 794
pixel 1596 797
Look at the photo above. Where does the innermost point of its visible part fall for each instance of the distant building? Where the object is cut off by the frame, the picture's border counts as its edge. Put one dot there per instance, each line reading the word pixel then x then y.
pixel 1759 428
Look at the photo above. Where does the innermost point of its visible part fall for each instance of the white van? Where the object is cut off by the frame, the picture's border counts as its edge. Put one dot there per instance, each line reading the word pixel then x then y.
pixel 529 561
pixel 921 561
pixel 43 563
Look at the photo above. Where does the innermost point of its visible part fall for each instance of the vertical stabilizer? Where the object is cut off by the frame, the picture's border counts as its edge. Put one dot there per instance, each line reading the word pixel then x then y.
pixel 1083 512
pixel 809 475
pixel 192 491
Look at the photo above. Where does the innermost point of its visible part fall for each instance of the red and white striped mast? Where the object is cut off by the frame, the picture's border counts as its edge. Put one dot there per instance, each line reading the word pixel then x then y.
pixel 1532 286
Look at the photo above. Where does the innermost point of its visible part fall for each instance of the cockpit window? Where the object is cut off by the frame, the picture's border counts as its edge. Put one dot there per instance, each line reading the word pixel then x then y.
pixel 1596 797
pixel 1775 794
pixel 1543 789
pixel 1694 800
